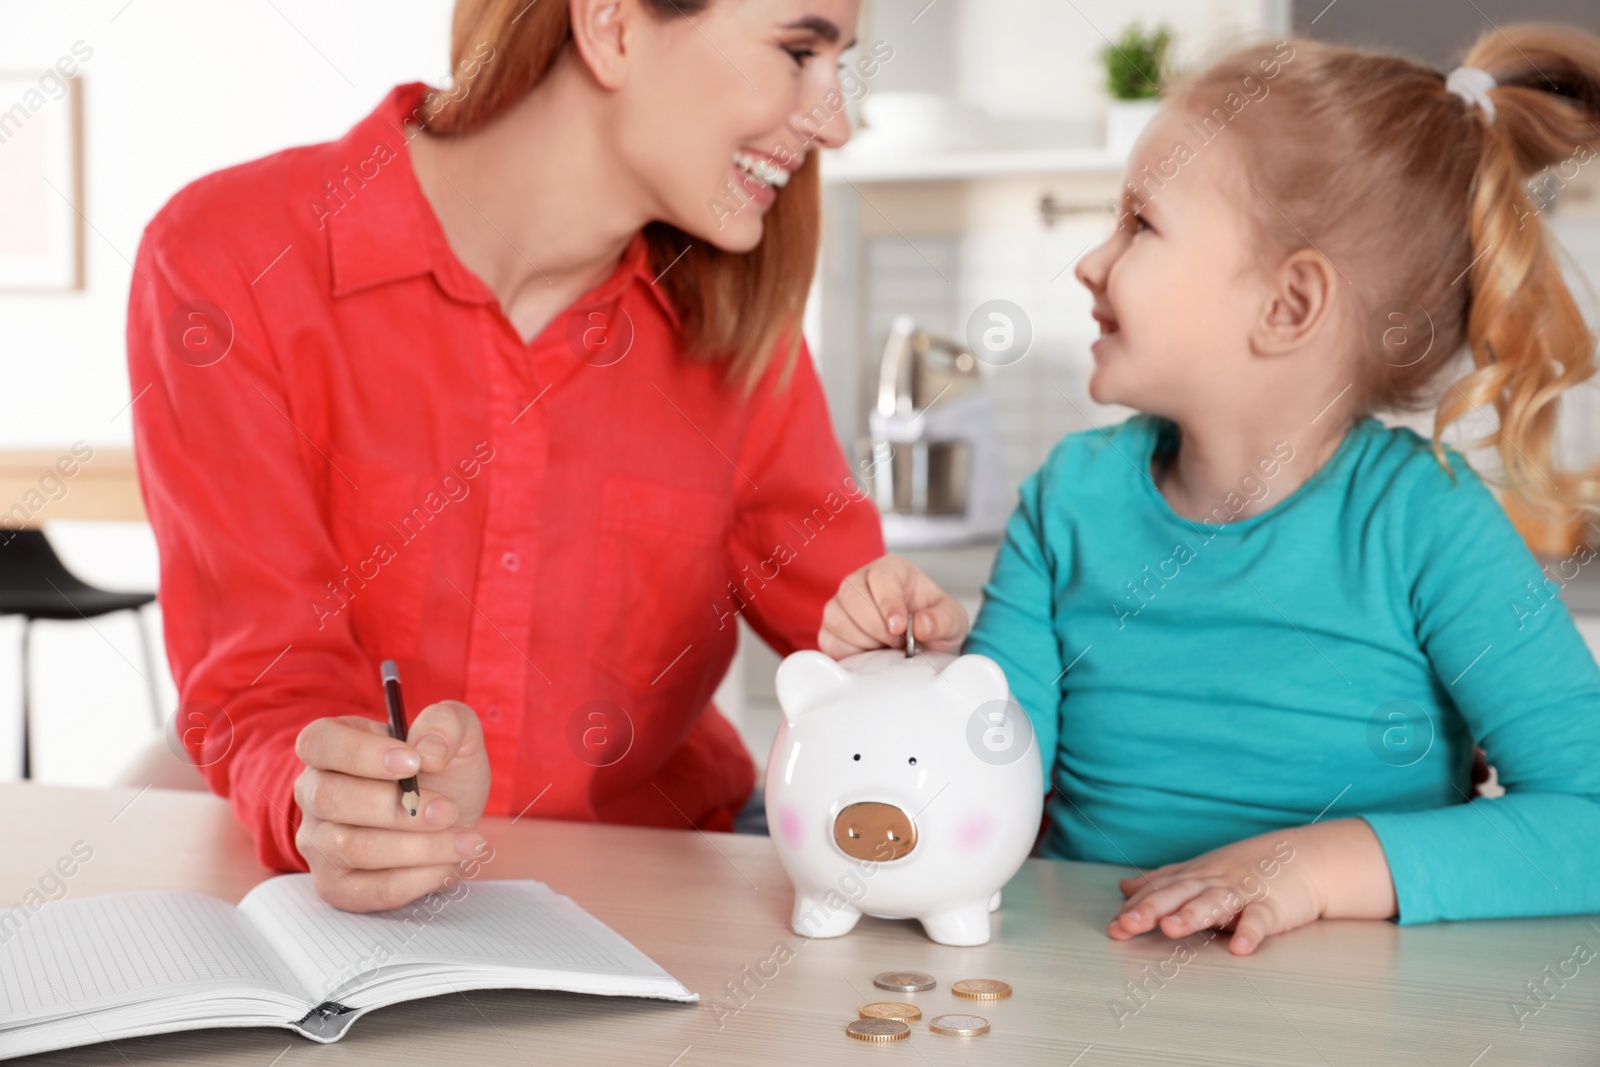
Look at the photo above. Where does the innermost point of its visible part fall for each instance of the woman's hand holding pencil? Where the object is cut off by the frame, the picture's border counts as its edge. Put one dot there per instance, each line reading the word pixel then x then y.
pixel 366 851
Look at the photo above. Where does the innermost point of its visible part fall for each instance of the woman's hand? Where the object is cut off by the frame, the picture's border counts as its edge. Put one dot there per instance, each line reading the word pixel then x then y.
pixel 366 852
pixel 871 607
pixel 1263 886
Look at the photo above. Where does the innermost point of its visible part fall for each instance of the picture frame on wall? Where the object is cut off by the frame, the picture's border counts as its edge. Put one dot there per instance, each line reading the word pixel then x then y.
pixel 41 182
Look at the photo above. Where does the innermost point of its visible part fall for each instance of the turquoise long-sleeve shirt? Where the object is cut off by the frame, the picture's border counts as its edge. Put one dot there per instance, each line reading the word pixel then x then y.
pixel 1193 683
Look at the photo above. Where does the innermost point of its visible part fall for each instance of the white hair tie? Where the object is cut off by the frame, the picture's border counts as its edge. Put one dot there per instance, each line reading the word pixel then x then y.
pixel 1472 85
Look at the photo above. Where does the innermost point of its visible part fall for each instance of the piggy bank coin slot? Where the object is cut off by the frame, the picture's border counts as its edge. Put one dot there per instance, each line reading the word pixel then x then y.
pixel 873 831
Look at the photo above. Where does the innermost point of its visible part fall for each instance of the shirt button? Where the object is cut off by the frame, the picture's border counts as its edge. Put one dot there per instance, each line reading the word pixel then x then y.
pixel 492 712
pixel 510 561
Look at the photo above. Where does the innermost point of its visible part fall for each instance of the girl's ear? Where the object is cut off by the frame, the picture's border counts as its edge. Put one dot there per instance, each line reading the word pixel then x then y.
pixel 601 32
pixel 1304 289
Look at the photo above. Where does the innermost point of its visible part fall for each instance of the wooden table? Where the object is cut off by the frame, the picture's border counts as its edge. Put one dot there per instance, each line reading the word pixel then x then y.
pixel 709 906
pixel 103 487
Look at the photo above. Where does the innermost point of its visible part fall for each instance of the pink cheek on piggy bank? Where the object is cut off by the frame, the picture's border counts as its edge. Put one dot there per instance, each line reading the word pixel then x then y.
pixel 791 827
pixel 975 831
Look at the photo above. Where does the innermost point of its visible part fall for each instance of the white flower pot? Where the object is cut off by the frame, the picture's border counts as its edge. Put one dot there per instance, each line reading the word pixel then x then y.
pixel 1125 121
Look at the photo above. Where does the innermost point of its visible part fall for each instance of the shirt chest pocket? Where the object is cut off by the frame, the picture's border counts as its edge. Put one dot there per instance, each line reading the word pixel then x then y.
pixel 659 573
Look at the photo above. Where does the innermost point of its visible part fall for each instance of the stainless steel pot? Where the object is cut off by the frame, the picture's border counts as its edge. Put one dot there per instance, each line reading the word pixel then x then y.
pixel 915 468
pixel 922 477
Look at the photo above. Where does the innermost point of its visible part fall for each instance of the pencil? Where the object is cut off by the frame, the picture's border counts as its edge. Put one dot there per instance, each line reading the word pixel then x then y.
pixel 409 797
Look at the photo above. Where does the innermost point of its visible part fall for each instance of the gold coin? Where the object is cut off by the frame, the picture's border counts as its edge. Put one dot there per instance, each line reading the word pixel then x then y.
pixel 904 981
pixel 889 1009
pixel 878 1030
pixel 959 1025
pixel 981 989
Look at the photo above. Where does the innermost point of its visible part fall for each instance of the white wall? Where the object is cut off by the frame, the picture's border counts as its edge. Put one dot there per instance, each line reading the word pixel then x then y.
pixel 1041 58
pixel 172 90
pixel 175 89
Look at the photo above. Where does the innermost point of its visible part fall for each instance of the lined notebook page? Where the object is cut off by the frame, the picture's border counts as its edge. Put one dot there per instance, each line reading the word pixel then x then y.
pixel 514 923
pixel 73 955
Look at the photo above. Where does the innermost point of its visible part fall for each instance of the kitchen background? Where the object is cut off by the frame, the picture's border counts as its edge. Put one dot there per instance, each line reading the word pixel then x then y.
pixel 981 170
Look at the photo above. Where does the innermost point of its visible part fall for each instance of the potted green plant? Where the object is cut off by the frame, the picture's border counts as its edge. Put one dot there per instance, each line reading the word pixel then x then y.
pixel 1134 66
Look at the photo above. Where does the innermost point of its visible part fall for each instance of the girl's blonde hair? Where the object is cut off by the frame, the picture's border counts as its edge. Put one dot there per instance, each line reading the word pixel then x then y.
pixel 739 307
pixel 1418 198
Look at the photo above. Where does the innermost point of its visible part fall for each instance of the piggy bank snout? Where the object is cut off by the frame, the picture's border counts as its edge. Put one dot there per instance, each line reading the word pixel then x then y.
pixel 873 831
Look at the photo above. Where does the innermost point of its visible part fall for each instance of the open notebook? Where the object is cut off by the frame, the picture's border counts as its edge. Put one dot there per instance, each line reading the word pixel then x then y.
pixel 103 968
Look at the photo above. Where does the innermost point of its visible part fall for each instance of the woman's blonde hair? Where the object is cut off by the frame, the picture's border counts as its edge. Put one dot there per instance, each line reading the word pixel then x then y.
pixel 738 307
pixel 1419 198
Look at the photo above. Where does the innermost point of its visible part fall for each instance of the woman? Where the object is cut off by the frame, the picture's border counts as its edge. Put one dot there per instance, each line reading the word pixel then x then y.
pixel 518 401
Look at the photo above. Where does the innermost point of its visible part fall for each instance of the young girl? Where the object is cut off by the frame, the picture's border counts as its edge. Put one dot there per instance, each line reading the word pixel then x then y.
pixel 1257 632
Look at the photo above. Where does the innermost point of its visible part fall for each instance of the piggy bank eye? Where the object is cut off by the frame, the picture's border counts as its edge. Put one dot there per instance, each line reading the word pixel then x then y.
pixel 913 761
pixel 857 757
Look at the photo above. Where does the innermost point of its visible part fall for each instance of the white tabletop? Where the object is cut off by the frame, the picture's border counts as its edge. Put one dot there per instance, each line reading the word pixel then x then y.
pixel 708 906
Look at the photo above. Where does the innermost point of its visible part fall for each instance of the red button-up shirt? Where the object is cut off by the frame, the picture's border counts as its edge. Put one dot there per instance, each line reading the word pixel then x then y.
pixel 348 454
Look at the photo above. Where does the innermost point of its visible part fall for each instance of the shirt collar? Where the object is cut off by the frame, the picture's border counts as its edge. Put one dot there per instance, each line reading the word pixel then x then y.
pixel 382 228
pixel 378 231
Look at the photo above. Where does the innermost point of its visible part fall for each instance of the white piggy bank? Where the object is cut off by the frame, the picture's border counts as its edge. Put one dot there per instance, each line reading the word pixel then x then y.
pixel 901 787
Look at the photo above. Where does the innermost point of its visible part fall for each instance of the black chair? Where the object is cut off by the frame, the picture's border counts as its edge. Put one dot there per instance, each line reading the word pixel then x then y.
pixel 35 584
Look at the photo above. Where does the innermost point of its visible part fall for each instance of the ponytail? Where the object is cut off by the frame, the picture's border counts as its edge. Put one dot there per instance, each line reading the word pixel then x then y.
pixel 1527 335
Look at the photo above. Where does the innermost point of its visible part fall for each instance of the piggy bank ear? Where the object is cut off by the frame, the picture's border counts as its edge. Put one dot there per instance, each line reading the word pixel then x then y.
pixel 806 677
pixel 978 678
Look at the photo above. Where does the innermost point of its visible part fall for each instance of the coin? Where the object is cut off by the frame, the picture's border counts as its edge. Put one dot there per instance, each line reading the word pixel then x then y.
pixel 878 1030
pixel 911 638
pixel 890 1009
pixel 981 989
pixel 959 1025
pixel 904 981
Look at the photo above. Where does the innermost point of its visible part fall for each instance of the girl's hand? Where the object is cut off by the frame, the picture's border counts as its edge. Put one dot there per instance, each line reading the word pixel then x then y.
pixel 870 610
pixel 365 851
pixel 1263 886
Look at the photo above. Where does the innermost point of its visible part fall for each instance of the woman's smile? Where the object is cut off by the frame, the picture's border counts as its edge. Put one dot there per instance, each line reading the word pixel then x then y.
pixel 759 174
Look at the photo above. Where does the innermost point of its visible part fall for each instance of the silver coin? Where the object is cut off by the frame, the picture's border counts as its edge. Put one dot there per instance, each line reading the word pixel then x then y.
pixel 911 637
pixel 904 981
pixel 959 1025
